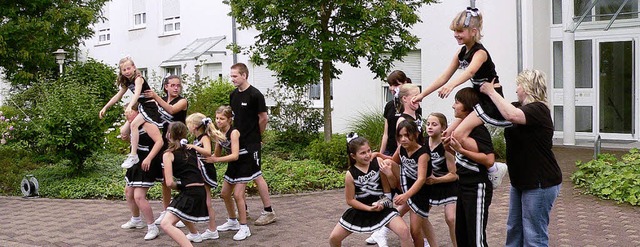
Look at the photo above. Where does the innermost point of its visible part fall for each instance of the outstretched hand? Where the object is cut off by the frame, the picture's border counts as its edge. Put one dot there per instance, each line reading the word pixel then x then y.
pixel 417 99
pixel 445 91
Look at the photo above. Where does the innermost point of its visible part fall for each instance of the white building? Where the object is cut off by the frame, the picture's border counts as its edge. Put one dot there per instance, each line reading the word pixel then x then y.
pixel 600 45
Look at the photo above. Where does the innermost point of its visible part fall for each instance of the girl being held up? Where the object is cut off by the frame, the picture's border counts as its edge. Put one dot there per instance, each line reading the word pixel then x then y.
pixel 478 67
pixel 203 129
pixel 129 77
pixel 190 205
pixel 367 192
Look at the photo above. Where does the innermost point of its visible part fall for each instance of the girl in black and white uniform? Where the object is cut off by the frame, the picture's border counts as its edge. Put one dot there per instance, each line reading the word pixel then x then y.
pixel 190 205
pixel 409 109
pixel 204 130
pixel 368 193
pixel 414 170
pixel 442 183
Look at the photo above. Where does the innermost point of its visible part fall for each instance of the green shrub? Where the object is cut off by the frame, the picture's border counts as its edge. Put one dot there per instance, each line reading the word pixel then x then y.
pixel 205 96
pixel 369 125
pixel 287 177
pixel 283 148
pixel 610 178
pixel 499 144
pixel 333 153
pixel 15 163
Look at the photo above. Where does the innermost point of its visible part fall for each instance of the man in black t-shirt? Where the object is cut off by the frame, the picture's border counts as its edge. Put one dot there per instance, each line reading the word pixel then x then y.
pixel 250 119
pixel 475 191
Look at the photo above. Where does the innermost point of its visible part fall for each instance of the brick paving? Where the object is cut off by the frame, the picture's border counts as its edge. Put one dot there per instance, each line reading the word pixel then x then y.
pixel 307 219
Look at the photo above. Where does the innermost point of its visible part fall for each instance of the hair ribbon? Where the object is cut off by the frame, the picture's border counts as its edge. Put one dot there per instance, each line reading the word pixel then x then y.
pixel 470 12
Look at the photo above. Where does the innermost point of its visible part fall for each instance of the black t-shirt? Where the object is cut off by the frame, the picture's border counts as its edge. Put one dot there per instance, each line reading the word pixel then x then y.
pixel 531 162
pixel 245 106
pixel 391 115
pixel 468 170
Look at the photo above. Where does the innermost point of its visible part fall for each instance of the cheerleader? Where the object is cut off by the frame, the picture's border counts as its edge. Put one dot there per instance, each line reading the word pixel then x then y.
pixel 367 192
pixel 203 129
pixel 442 183
pixel 190 205
pixel 414 169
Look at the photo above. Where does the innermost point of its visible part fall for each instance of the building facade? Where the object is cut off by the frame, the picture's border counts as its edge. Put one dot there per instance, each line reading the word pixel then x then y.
pixel 587 48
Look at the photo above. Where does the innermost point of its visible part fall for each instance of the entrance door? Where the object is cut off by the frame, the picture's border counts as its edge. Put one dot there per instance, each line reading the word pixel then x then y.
pixel 616 109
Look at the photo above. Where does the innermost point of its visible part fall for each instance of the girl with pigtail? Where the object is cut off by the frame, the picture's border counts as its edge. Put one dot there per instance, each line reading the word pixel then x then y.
pixel 190 205
pixel 204 130
pixel 367 191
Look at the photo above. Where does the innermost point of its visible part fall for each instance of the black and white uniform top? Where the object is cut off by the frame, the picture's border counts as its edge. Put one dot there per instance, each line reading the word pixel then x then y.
pixel 368 189
pixel 243 170
pixel 441 193
pixel 207 169
pixel 486 109
pixel 391 114
pixel 135 176
pixel 191 202
pixel 147 107
pixel 246 106
pixel 167 117
pixel 419 202
pixel 469 171
pixel 418 121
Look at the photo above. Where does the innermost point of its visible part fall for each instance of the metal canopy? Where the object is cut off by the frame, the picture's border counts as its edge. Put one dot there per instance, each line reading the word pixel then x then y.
pixel 614 16
pixel 198 48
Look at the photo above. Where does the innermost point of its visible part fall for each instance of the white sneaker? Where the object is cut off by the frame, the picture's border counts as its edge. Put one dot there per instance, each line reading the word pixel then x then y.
pixel 133 224
pixel 152 233
pixel 496 177
pixel 380 237
pixel 196 238
pixel 180 224
pixel 131 160
pixel 159 219
pixel 371 240
pixel 242 234
pixel 426 243
pixel 230 225
pixel 210 235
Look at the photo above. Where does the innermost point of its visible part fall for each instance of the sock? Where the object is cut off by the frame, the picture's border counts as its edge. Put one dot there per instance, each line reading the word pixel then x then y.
pixel 388 195
pixel 233 219
pixel 149 227
pixel 135 219
pixel 493 169
pixel 268 209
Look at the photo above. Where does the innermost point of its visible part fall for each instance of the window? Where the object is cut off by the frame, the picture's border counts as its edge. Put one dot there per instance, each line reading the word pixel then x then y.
pixel 557 64
pixel 144 72
pixel 104 36
pixel 315 91
pixel 557 11
pixel 139 14
pixel 584 61
pixel 584 118
pixel 604 10
pixel 170 17
pixel 173 70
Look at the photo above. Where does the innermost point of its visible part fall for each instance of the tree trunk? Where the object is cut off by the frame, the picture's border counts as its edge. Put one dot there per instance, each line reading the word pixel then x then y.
pixel 326 95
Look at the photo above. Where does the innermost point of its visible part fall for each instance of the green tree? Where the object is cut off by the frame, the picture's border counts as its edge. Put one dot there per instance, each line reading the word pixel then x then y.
pixel 31 30
pixel 302 40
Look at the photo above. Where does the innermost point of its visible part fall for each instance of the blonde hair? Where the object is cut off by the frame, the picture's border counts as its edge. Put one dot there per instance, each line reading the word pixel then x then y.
pixel 122 80
pixel 198 120
pixel 405 90
pixel 442 119
pixel 469 18
pixel 534 85
pixel 226 111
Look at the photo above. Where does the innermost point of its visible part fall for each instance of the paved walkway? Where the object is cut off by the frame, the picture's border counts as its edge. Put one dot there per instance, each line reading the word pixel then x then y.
pixel 307 220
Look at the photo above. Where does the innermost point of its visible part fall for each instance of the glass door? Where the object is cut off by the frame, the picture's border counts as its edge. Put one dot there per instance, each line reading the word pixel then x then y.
pixel 616 92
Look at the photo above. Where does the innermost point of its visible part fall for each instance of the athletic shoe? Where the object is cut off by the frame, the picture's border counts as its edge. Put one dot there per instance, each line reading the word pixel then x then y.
pixel 180 224
pixel 159 219
pixel 209 235
pixel 385 202
pixel 230 225
pixel 496 177
pixel 426 243
pixel 152 233
pixel 133 224
pixel 266 218
pixel 131 160
pixel 380 237
pixel 242 234
pixel 196 238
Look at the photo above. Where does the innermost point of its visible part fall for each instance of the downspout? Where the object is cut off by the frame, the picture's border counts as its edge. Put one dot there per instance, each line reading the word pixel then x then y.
pixel 233 39
pixel 568 74
pixel 519 35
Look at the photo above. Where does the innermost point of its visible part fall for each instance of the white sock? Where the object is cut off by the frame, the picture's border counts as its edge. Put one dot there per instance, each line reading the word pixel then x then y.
pixel 136 219
pixel 493 169
pixel 149 227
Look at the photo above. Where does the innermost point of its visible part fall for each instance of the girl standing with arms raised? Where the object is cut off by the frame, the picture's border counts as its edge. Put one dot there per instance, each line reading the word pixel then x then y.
pixel 236 177
pixel 203 129
pixel 478 67
pixel 414 169
pixel 131 78
pixel 442 183
pixel 367 191
pixel 190 205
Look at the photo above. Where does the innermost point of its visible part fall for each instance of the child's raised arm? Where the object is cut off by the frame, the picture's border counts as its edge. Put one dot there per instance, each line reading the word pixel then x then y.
pixel 441 80
pixel 478 59
pixel 485 159
pixel 112 101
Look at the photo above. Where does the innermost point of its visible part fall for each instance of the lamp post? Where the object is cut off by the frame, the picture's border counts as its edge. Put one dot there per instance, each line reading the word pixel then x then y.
pixel 60 56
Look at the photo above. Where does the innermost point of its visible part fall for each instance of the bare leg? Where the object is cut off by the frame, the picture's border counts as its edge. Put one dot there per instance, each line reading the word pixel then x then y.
pixel 212 215
pixel 450 218
pixel 140 196
pixel 429 232
pixel 131 203
pixel 227 196
pixel 416 229
pixel 135 137
pixel 337 235
pixel 263 189
pixel 168 226
pixel 399 227
pixel 238 195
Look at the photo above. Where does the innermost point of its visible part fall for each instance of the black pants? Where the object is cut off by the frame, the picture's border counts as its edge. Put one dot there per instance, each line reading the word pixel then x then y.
pixel 472 212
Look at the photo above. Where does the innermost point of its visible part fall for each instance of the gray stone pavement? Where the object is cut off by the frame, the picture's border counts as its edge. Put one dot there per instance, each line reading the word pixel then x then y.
pixel 307 219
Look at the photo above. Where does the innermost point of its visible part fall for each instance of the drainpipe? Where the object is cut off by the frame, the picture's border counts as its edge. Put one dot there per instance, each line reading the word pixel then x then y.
pixel 568 74
pixel 519 34
pixel 233 38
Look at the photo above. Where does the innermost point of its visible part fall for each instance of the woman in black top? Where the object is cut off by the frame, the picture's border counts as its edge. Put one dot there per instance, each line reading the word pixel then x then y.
pixel 533 169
